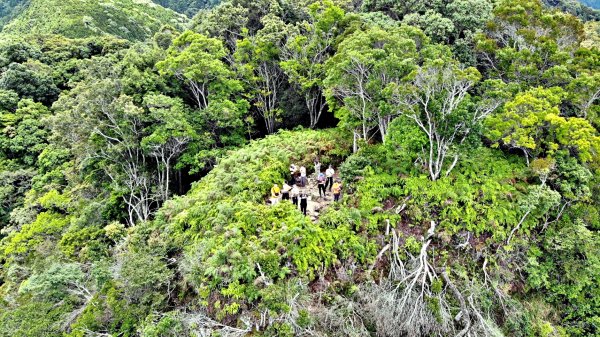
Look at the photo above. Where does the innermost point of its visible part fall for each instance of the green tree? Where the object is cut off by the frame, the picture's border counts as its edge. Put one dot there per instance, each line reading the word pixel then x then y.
pixel 365 64
pixel 532 123
pixel 188 7
pixel 437 100
pixel 24 133
pixel 168 136
pixel 258 60
pixel 55 283
pixel 564 268
pixel 198 61
pixel 30 80
pixel 307 51
pixel 435 25
pixel 103 129
pixel 225 22
pixel 396 9
pixel 584 93
pixel 452 22
pixel 524 42
pixel 14 183
pixel 220 111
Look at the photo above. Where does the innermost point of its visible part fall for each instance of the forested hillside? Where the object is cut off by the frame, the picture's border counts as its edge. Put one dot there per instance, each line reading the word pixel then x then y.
pixel 188 7
pixel 591 3
pixel 9 9
pixel 127 19
pixel 580 9
pixel 139 150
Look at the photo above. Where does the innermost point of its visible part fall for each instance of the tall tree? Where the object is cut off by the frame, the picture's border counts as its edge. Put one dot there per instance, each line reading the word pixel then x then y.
pixel 525 42
pixel 23 133
pixel 31 80
pixel 104 129
pixel 307 50
pixel 167 137
pixel 226 22
pixel 119 143
pixel 220 111
pixel 365 64
pixel 436 100
pixel 257 57
pixel 198 61
pixel 532 123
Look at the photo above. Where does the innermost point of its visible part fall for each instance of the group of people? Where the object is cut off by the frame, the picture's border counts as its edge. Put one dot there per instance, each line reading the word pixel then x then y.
pixel 325 180
pixel 295 188
pixel 298 196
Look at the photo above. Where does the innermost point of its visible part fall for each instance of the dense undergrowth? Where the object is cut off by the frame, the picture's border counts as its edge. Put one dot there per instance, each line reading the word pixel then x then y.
pixel 241 254
pixel 218 251
pixel 475 211
pixel 218 259
pixel 134 175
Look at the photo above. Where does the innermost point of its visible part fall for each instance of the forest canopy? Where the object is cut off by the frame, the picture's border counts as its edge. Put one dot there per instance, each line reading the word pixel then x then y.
pixel 139 142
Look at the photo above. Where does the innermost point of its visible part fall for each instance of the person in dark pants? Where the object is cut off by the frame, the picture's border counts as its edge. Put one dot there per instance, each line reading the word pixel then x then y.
pixel 321 184
pixel 297 179
pixel 329 174
pixel 303 201
pixel 337 190
pixel 295 193
pixel 285 191
pixel 303 181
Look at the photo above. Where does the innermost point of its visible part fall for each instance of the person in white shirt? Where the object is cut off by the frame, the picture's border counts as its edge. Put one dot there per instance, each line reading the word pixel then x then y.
pixel 329 173
pixel 285 191
pixel 302 171
pixel 295 193
pixel 293 169
pixel 317 167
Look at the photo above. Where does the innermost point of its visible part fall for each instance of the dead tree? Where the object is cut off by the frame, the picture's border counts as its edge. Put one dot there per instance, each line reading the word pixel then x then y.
pixel 417 299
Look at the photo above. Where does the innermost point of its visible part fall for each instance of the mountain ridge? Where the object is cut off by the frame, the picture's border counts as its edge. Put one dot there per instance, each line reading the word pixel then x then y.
pixel 127 19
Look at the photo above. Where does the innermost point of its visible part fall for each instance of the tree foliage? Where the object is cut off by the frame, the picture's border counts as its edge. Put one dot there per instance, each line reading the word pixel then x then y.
pixel 137 156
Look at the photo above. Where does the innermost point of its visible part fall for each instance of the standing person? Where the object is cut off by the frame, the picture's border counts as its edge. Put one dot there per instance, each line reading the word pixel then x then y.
pixel 292 181
pixel 337 190
pixel 303 181
pixel 303 201
pixel 317 167
pixel 285 191
pixel 295 193
pixel 297 179
pixel 329 174
pixel 293 169
pixel 275 191
pixel 321 184
pixel 302 171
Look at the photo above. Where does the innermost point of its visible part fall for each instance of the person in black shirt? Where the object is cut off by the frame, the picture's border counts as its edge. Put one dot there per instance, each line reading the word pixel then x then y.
pixel 303 201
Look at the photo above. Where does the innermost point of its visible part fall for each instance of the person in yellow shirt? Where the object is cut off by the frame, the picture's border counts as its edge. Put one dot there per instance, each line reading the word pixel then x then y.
pixel 337 190
pixel 275 191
